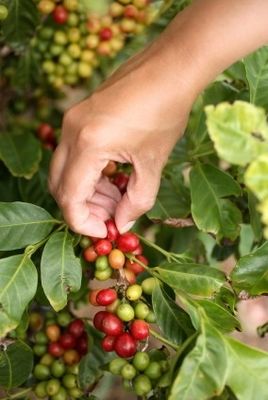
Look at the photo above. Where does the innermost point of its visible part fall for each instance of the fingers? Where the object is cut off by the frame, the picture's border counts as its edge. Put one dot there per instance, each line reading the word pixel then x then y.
pixel 140 196
pixel 105 187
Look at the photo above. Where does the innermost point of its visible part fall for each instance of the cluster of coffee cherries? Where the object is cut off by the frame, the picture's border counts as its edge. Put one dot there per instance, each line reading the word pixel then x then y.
pixel 71 41
pixel 46 134
pixel 145 372
pixel 59 341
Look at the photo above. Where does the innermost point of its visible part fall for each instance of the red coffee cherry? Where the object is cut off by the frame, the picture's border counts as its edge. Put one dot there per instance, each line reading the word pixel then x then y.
pixel 112 230
pixel 45 132
pixel 121 180
pixel 139 329
pixel 125 345
pixel 60 15
pixel 103 247
pixel 98 319
pixel 108 342
pixel 55 349
pixel 90 254
pixel 76 328
pixel 127 242
pixel 106 33
pixel 112 325
pixel 135 267
pixel 106 297
pixel 82 344
pixel 67 340
pixel 138 251
pixel 131 277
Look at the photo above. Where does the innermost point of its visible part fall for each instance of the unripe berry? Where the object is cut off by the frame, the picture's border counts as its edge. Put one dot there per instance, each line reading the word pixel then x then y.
pixel 90 254
pixel 110 169
pixel 130 276
pixel 116 259
pixel 131 11
pixel 134 292
pixel 116 9
pixel 46 6
pixel 125 312
pixel 70 5
pixel 127 25
pixel 92 41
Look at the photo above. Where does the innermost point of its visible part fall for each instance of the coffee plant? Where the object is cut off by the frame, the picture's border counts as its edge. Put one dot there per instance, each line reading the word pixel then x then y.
pixel 154 306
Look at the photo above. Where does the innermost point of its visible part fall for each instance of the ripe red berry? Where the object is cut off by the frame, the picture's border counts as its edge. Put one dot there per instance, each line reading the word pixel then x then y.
pixel 67 340
pixel 112 230
pixel 76 328
pixel 135 267
pixel 82 344
pixel 127 242
pixel 112 325
pixel 131 277
pixel 106 297
pixel 108 342
pixel 139 329
pixel 138 251
pixel 103 247
pixel 90 254
pixel 92 297
pixel 45 132
pixel 125 345
pixel 106 33
pixel 55 349
pixel 131 11
pixel 60 15
pixel 121 180
pixel 98 319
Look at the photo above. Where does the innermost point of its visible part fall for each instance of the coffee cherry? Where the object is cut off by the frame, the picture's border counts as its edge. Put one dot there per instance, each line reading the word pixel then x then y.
pixel 57 368
pixel 90 254
pixel 61 395
pixel 46 6
pixel 75 393
pixel 41 338
pixel 134 292
pixel 98 319
pixel 85 242
pixel 104 49
pixel 125 346
pixel 131 11
pixel 121 181
pixel 116 9
pixel 76 328
pixel 35 321
pixel 127 25
pixel 71 357
pixel 82 344
pixel 112 231
pixel 125 312
pixel 116 365
pixel 112 325
pixel 141 3
pixel 130 276
pixel 139 329
pixel 60 15
pixel 47 360
pixel 153 371
pixel 106 297
pixel 127 385
pixel 141 361
pixel 106 33
pixel 41 372
pixel 70 5
pixel 138 251
pixel 108 342
pixel 55 349
pixel 40 390
pixel 73 369
pixel 103 247
pixel 39 349
pixel 45 132
pixel 52 387
pixel 101 263
pixel 67 341
pixel 142 385
pixel 69 381
pixel 127 242
pixel 73 19
pixel 110 170
pixel 92 41
pixel 64 318
pixel 113 307
pixel 116 259
pixel 164 364
pixel 135 267
pixel 141 310
pixel 53 332
pixel 104 275
pixel 148 285
pixel 92 297
pixel 128 372
pixel 151 317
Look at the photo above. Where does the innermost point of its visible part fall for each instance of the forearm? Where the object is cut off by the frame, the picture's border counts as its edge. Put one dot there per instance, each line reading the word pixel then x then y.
pixel 210 35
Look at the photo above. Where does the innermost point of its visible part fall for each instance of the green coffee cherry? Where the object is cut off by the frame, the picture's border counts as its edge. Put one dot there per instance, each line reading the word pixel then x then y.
pixel 58 368
pixel 125 312
pixel 141 310
pixel 134 292
pixel 39 349
pixel 104 275
pixel 75 393
pixel 148 285
pixel 3 12
pixel 61 395
pixel 41 338
pixel 142 385
pixel 141 360
pixel 101 263
pixel 69 381
pixel 128 372
pixel 151 318
pixel 41 372
pixel 153 371
pixel 64 318
pixel 53 387
pixel 40 390
pixel 47 360
pixel 116 365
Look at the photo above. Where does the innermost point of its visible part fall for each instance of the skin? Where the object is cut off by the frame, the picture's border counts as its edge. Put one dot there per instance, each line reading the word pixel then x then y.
pixel 141 111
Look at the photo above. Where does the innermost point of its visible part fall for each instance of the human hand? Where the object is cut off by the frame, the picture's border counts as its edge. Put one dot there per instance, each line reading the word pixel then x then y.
pixel 136 117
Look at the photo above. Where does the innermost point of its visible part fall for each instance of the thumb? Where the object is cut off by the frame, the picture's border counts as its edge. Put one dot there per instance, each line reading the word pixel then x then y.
pixel 139 198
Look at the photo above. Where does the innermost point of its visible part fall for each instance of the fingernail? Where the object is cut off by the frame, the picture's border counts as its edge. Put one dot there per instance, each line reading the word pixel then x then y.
pixel 127 227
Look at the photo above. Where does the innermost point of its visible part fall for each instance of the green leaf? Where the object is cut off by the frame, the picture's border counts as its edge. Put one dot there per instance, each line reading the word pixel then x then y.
pixel 256 66
pixel 28 70
pixel 251 272
pixel 256 177
pixel 22 224
pixel 194 279
pixel 20 153
pixel 255 219
pixel 21 22
pixel 18 285
pixel 246 239
pixel 203 371
pixel 171 203
pixel 172 319
pixel 61 270
pixel 239 131
pixel 16 363
pixel 210 211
